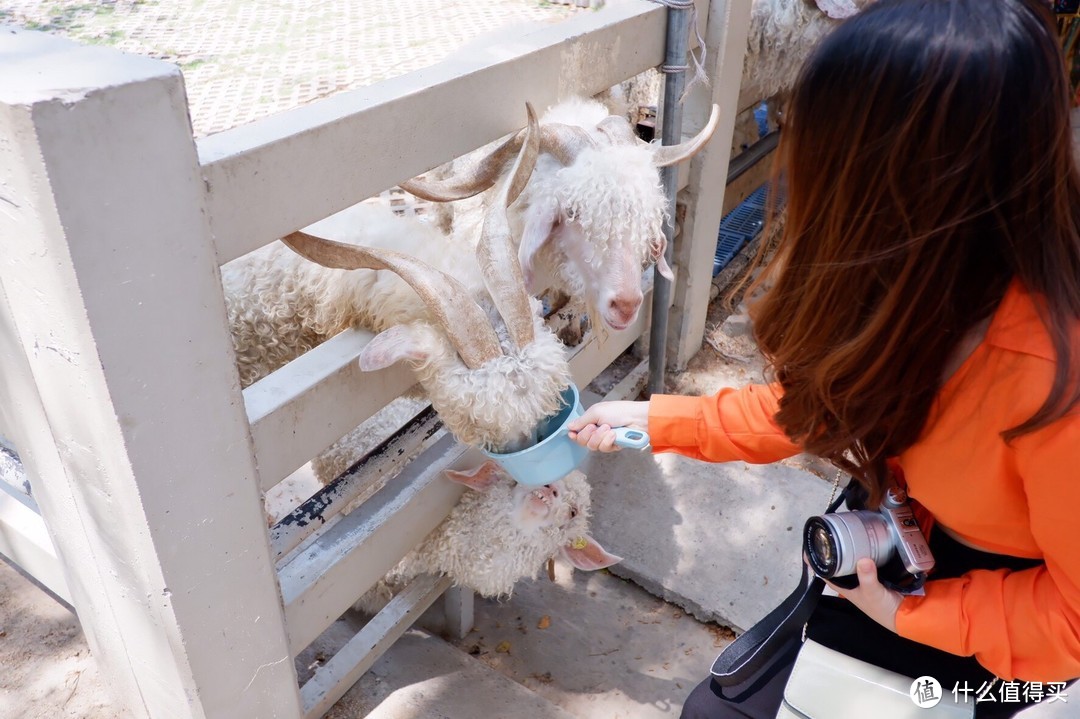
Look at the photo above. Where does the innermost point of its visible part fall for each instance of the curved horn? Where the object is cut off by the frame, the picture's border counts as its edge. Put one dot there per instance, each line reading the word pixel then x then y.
pixel 526 160
pixel 464 322
pixel 495 252
pixel 619 131
pixel 477 179
pixel 665 155
pixel 564 142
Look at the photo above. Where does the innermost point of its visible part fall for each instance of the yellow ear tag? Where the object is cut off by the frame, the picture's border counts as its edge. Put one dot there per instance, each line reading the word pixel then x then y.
pixel 579 543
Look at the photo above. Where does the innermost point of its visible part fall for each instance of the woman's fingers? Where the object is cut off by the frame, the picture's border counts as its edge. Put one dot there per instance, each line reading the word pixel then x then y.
pixel 592 417
pixel 594 430
pixel 581 436
pixel 598 438
pixel 607 444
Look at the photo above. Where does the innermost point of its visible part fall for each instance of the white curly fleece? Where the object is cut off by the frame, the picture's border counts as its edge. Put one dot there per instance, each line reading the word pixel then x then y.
pixel 482 546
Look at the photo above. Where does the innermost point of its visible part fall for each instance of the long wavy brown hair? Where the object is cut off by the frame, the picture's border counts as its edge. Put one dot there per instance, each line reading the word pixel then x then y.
pixel 928 161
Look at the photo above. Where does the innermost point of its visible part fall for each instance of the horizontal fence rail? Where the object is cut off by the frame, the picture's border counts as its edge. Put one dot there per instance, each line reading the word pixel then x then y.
pixel 366 477
pixel 302 408
pixel 334 678
pixel 326 578
pixel 359 143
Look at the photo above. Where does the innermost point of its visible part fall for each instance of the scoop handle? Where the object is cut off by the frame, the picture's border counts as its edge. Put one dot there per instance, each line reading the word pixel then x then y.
pixel 631 438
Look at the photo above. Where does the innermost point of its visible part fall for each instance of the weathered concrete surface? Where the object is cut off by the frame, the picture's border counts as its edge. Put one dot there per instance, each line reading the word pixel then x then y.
pixel 422 676
pixel 608 649
pixel 719 540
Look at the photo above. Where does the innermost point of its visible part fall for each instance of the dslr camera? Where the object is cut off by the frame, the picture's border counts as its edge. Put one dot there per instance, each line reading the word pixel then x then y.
pixel 833 543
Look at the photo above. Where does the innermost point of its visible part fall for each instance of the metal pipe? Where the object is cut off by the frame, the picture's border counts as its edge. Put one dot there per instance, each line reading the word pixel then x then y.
pixel 752 155
pixel 679 16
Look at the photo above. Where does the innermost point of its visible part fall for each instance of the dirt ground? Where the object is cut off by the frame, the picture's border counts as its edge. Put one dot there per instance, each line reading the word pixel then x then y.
pixel 48 672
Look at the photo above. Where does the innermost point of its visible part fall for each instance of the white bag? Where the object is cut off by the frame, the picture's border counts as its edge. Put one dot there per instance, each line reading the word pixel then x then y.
pixel 826 684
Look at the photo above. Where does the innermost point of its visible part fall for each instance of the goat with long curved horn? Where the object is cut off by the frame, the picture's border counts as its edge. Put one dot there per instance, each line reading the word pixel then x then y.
pixel 495 252
pixel 665 155
pixel 563 142
pixel 465 322
pixel 591 217
pixel 619 132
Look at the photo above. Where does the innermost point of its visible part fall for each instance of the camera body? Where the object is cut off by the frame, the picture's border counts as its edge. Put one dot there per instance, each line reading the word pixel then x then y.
pixel 833 543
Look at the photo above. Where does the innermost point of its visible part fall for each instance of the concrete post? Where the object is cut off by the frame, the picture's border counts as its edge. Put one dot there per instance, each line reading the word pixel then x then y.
pixel 130 417
pixel 725 38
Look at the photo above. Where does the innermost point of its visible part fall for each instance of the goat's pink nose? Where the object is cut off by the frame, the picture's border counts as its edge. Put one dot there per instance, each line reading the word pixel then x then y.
pixel 626 306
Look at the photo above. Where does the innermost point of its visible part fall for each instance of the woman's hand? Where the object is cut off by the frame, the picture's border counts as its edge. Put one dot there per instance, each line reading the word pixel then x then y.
pixel 594 428
pixel 875 601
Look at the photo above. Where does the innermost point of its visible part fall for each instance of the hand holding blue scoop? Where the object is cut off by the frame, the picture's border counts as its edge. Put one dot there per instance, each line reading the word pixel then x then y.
pixel 555 454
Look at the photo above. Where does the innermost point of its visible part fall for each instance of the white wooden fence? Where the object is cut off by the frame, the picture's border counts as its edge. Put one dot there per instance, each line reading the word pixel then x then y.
pixel 117 377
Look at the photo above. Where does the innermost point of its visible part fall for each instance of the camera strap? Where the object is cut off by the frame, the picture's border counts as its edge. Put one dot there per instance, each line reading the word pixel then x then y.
pixel 750 652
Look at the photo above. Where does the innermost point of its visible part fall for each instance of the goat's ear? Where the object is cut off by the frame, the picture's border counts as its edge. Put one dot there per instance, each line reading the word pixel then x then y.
pixel 661 261
pixel 539 227
pixel 480 479
pixel 664 269
pixel 587 554
pixel 393 345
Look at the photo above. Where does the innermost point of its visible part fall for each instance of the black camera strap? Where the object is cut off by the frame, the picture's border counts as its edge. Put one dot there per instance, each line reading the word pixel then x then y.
pixel 750 652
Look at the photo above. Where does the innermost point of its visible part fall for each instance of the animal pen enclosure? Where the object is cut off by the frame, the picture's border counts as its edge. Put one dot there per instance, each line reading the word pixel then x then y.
pixel 118 383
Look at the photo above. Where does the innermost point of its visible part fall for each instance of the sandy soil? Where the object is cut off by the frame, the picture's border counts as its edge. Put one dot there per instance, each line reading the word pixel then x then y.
pixel 47 668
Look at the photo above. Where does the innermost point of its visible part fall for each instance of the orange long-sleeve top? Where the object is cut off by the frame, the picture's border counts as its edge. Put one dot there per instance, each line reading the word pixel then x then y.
pixel 1020 498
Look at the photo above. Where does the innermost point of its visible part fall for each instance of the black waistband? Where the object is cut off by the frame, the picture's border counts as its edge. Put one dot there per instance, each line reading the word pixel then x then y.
pixel 952 559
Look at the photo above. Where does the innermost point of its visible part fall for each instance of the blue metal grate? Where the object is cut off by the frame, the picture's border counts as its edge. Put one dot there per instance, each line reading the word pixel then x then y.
pixel 727 246
pixel 745 219
pixel 739 227
pixel 757 198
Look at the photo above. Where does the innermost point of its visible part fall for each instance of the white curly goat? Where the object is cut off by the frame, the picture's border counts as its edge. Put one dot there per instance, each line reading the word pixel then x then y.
pixel 499 533
pixel 590 218
pixel 782 35
pixel 476 341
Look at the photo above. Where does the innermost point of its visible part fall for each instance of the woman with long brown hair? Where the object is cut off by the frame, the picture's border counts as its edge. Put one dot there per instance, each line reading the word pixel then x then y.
pixel 923 326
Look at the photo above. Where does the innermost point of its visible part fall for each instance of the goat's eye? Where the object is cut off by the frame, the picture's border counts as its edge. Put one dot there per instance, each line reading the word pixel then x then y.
pixel 573 512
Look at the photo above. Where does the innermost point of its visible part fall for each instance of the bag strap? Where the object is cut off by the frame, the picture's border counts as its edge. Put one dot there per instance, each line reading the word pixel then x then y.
pixel 751 651
pixel 745 656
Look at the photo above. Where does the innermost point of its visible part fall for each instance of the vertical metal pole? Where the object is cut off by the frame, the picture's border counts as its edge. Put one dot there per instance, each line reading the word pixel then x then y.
pixel 678 38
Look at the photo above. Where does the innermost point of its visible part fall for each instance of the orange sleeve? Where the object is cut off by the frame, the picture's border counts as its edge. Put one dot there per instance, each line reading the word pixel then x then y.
pixel 1019 625
pixel 732 424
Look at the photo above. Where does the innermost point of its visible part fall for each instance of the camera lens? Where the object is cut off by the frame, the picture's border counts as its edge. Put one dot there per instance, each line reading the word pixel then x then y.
pixel 820 547
pixel 834 542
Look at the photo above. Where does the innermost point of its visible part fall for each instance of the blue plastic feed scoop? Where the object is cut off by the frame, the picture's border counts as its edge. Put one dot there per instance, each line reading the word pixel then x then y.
pixel 554 455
